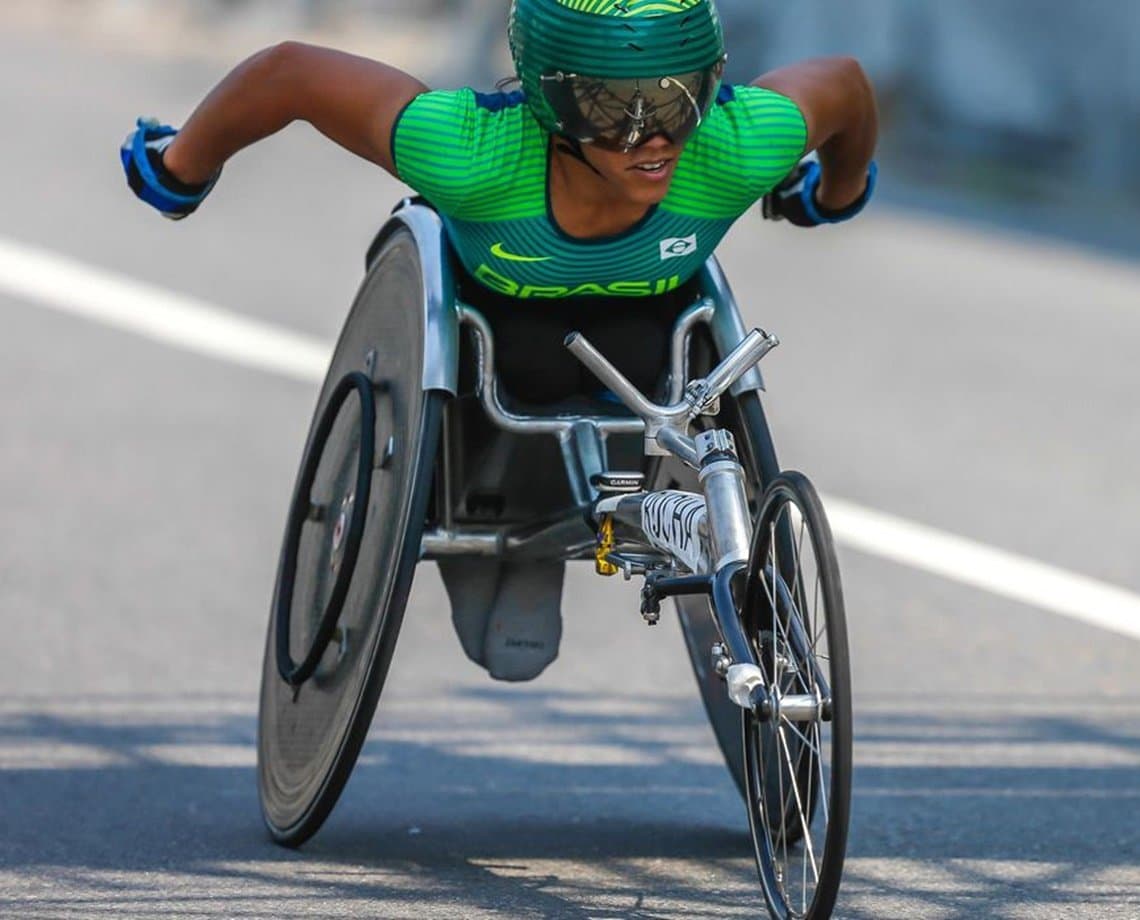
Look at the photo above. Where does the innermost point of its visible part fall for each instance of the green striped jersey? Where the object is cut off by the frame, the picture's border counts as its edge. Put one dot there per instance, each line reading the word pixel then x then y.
pixel 481 161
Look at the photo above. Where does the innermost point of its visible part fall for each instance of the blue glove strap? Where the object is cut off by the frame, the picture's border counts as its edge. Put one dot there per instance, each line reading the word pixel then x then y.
pixel 154 192
pixel 811 208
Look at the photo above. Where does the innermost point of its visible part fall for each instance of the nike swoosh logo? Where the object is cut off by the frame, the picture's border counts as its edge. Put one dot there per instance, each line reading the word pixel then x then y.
pixel 498 251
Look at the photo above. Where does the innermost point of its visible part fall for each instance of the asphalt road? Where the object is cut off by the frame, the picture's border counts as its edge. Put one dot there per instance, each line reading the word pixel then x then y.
pixel 980 384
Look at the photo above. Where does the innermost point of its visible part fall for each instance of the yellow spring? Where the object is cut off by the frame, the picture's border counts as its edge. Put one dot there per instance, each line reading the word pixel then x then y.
pixel 605 544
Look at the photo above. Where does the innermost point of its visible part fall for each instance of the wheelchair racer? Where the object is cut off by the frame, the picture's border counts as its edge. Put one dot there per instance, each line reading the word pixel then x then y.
pixel 613 173
pixel 589 199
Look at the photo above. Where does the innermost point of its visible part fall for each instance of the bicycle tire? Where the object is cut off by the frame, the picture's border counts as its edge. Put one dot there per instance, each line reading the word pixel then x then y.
pixel 310 733
pixel 798 770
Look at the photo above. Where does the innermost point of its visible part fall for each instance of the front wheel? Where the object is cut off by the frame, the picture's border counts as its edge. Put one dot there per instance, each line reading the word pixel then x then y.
pixel 798 762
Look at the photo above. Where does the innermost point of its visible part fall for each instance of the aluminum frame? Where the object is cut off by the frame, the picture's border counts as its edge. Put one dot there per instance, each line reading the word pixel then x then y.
pixel 717 307
pixel 582 438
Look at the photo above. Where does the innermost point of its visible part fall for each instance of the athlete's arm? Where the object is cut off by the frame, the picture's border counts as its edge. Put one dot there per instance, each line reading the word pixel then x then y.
pixel 352 100
pixel 838 104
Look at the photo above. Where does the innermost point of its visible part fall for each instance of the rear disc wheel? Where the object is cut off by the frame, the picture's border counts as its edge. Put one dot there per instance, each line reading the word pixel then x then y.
pixel 351 545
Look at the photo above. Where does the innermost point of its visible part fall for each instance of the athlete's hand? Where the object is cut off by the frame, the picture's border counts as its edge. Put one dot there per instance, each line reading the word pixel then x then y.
pixel 150 180
pixel 794 199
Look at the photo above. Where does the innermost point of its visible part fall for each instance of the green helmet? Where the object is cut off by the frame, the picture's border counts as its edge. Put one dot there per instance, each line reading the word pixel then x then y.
pixel 614 72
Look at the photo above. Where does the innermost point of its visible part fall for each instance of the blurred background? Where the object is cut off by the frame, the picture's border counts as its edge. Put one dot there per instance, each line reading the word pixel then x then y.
pixel 963 357
pixel 1025 112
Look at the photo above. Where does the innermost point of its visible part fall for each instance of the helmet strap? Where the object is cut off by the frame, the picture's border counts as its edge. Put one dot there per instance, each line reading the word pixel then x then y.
pixel 573 146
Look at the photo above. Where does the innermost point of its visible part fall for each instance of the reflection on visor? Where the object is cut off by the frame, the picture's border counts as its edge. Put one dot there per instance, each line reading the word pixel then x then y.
pixel 620 114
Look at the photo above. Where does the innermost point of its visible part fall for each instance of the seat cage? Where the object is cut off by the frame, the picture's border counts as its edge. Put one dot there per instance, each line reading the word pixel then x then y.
pixel 582 439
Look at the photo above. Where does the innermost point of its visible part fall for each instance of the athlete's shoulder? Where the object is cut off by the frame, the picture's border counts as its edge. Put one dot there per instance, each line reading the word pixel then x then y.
pixel 430 125
pixel 456 147
pixel 755 114
pixel 750 139
pixel 758 101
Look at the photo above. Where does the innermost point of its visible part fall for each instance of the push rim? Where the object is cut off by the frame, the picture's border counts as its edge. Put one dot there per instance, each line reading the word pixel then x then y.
pixel 347 532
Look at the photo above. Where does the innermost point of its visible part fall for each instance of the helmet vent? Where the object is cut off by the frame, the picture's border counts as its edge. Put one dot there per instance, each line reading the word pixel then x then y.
pixel 610 39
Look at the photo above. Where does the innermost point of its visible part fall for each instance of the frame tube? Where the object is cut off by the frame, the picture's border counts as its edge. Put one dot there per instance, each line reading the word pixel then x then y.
pixel 441 324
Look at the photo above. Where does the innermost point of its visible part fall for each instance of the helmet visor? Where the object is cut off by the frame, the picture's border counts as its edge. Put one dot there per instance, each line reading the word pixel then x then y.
pixel 619 114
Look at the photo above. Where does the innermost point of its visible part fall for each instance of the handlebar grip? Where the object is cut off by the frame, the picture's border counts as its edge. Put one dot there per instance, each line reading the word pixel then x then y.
pixel 751 349
pixel 609 375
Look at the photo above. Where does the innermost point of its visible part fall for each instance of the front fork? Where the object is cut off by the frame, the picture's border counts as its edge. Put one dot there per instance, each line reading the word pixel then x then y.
pixel 727 532
pixel 722 482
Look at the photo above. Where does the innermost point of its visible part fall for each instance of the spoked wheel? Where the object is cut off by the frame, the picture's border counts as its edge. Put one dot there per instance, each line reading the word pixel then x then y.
pixel 798 762
pixel 351 543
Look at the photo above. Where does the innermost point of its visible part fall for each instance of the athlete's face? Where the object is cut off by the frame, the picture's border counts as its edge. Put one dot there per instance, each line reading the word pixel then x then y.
pixel 641 175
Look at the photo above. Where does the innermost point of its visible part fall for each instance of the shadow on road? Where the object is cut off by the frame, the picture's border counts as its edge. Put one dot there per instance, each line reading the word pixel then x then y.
pixel 148 795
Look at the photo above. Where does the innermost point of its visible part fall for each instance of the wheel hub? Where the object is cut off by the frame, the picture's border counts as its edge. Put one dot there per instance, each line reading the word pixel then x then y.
pixel 339 530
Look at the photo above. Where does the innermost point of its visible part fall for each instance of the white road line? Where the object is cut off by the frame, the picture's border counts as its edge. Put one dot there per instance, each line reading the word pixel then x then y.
pixel 173 319
pixel 192 325
pixel 995 570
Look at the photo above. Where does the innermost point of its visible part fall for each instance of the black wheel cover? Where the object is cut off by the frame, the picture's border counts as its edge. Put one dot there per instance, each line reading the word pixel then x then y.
pixel 310 734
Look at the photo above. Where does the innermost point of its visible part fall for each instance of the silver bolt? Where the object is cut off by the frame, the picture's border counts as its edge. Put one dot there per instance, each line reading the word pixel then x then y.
pixel 387 453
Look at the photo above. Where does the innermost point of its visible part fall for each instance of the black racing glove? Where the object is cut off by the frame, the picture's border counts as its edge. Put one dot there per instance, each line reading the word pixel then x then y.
pixel 148 177
pixel 794 198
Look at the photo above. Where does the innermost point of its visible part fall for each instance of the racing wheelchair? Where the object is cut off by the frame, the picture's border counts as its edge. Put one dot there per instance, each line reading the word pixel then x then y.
pixel 404 462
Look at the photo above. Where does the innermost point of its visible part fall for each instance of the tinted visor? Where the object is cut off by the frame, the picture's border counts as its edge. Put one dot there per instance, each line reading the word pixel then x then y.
pixel 620 114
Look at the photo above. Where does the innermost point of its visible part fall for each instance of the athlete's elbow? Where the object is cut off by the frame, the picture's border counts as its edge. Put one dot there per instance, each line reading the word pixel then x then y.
pixel 277 72
pixel 858 89
pixel 279 62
